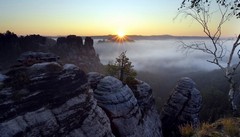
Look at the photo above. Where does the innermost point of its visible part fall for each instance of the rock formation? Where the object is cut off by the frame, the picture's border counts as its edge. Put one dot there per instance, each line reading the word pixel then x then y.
pixel 50 99
pixel 29 58
pixel 88 42
pixel 70 40
pixel 182 107
pixel 128 116
pixel 46 98
pixel 70 49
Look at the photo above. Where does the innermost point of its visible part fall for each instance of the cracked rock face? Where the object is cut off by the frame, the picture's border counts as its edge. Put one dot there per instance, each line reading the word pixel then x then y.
pixel 182 107
pixel 94 78
pixel 48 99
pixel 124 111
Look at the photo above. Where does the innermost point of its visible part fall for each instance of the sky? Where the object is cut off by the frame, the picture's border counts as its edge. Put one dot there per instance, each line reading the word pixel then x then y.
pixel 99 17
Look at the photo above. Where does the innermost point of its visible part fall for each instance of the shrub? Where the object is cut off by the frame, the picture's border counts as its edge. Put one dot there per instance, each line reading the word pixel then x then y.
pixel 186 130
pixel 230 127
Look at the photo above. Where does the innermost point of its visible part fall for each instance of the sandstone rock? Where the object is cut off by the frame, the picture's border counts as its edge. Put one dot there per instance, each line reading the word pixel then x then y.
pixel 88 42
pixel 94 78
pixel 50 99
pixel 71 40
pixel 151 125
pixel 121 106
pixel 70 67
pixel 182 107
pixel 54 102
pixel 44 68
pixel 29 58
pixel 2 77
pixel 143 93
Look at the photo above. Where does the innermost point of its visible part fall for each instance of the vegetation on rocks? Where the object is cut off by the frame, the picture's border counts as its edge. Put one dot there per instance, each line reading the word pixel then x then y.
pixel 225 127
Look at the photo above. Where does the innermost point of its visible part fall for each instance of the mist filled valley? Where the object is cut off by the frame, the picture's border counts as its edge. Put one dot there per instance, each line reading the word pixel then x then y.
pixel 119 68
pixel 48 76
pixel 162 62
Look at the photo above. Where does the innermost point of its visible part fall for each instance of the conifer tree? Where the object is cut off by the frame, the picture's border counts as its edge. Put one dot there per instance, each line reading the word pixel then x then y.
pixel 122 68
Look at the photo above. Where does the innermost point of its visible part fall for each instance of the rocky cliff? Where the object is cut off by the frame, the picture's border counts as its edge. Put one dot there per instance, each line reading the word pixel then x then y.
pixel 71 49
pixel 46 98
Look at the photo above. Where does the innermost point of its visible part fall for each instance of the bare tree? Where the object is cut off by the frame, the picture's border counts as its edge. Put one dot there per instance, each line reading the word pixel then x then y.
pixel 201 12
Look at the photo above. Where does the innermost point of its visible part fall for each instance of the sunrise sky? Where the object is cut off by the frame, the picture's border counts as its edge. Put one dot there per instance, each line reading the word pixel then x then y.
pixel 99 17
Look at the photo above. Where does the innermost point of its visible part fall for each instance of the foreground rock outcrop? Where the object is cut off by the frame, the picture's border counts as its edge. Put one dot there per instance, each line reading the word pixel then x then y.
pixel 182 107
pixel 42 97
pixel 47 98
pixel 132 113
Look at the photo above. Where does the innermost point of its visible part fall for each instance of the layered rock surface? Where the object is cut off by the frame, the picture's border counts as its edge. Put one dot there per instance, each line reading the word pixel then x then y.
pixel 128 116
pixel 51 99
pixel 182 107
pixel 48 99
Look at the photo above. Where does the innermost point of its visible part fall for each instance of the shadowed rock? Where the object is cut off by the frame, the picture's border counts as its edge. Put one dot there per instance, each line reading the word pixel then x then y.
pixel 72 40
pixel 50 100
pixel 143 93
pixel 94 78
pixel 88 42
pixel 182 107
pixel 29 58
pixel 122 107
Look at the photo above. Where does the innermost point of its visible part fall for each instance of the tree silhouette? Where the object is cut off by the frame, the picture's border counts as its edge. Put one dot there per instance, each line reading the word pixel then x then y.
pixel 201 12
pixel 122 68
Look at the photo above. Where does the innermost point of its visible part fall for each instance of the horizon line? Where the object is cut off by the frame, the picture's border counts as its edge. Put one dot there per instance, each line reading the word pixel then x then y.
pixel 104 35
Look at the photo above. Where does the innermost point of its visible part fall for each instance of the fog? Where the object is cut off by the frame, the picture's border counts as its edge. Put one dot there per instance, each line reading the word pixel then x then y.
pixel 161 64
pixel 156 55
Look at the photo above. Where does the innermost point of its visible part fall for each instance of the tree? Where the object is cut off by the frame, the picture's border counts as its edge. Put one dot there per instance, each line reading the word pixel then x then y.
pixel 227 61
pixel 122 68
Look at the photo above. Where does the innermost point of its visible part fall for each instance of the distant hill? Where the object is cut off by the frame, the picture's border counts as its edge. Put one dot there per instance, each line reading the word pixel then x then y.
pixel 153 37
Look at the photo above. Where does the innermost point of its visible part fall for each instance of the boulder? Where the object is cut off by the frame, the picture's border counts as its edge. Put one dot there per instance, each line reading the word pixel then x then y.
pixel 182 107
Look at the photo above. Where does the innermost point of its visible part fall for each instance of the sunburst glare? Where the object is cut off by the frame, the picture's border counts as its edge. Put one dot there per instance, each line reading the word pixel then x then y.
pixel 121 34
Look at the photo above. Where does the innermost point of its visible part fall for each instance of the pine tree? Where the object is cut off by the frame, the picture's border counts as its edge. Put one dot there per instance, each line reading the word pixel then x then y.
pixel 122 68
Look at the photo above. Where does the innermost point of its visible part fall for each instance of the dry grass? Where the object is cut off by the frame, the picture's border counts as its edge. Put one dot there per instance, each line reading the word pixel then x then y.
pixel 226 127
pixel 186 130
pixel 207 130
pixel 230 127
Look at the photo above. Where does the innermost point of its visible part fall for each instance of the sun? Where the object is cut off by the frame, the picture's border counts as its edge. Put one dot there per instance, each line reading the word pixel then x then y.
pixel 121 34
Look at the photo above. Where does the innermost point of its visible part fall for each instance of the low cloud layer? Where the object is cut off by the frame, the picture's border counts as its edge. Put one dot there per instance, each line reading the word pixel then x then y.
pixel 154 55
